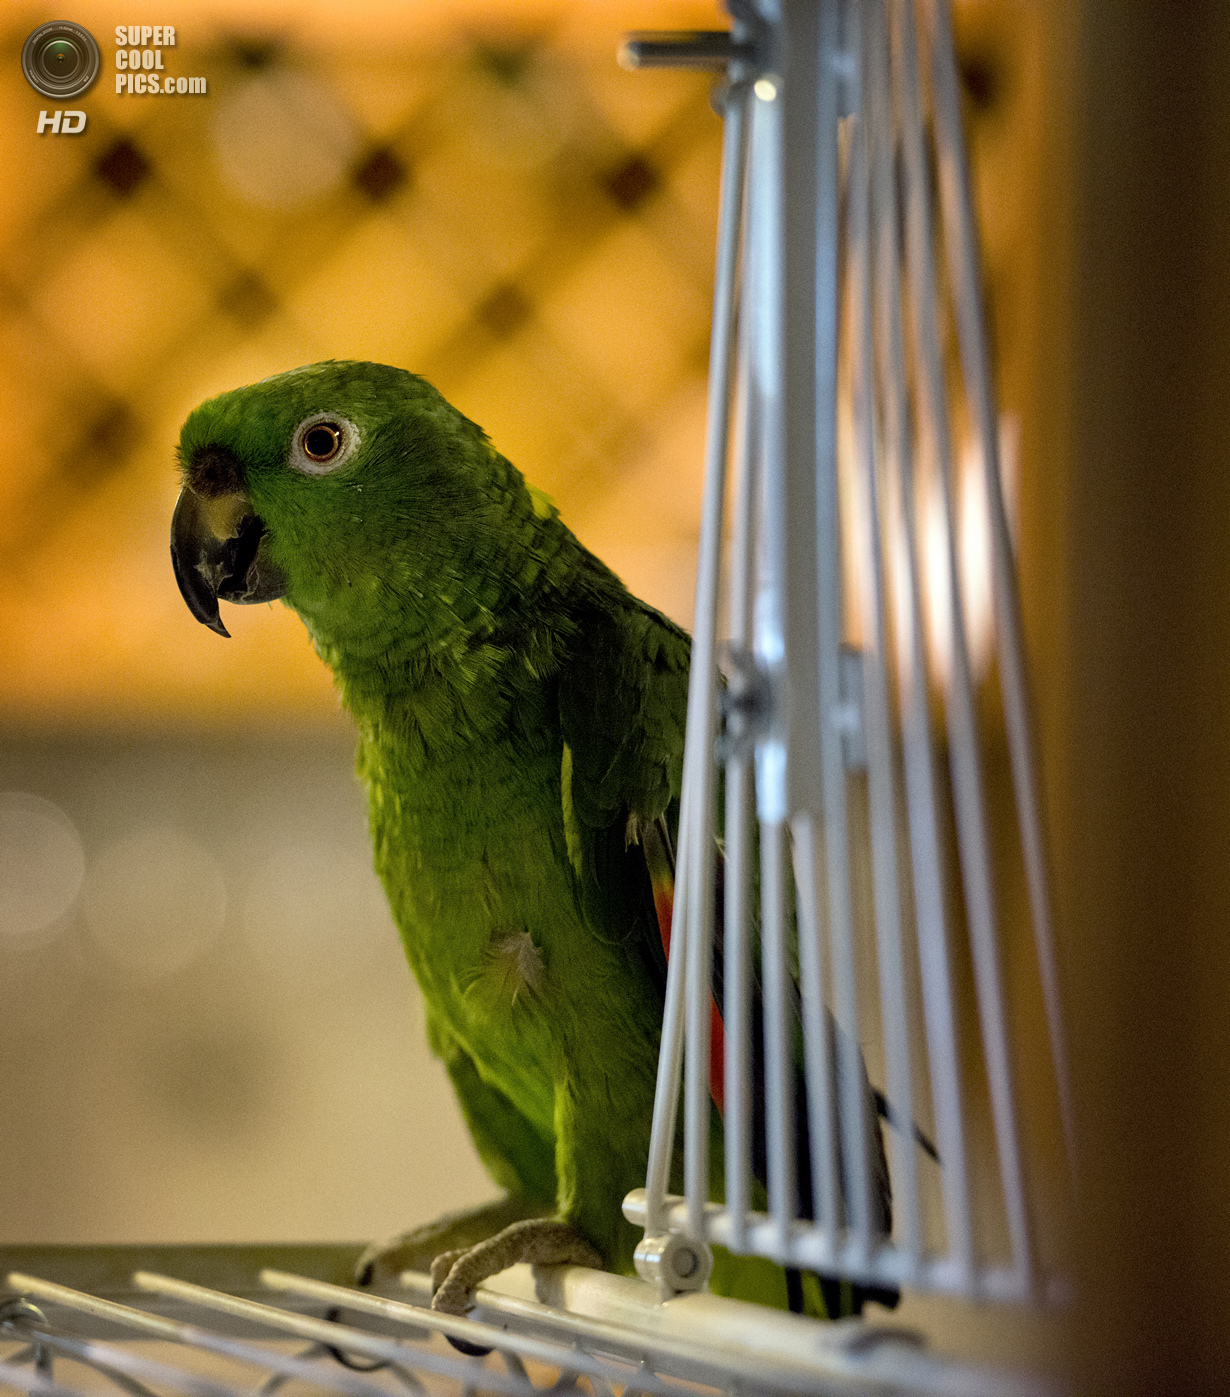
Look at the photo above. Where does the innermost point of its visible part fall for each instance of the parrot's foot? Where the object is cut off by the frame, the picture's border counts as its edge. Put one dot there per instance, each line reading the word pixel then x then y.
pixel 383 1262
pixel 456 1275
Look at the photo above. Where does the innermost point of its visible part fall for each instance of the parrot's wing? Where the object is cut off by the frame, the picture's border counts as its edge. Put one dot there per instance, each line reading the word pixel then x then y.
pixel 623 707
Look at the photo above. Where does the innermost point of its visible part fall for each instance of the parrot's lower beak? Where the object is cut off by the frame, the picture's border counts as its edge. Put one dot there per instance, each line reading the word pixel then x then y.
pixel 219 549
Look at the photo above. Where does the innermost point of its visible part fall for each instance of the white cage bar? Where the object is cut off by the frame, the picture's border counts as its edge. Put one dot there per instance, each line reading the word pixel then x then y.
pixel 80 1320
pixel 829 300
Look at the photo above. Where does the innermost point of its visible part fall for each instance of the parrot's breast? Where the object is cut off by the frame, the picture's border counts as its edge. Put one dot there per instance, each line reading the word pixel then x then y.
pixel 474 857
pixel 531 967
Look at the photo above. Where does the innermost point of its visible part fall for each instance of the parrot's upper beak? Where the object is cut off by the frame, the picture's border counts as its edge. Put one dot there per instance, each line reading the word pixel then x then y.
pixel 219 549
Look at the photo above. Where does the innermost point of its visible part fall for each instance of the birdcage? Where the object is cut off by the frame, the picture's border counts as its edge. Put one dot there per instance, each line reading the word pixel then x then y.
pixel 846 752
pixel 858 867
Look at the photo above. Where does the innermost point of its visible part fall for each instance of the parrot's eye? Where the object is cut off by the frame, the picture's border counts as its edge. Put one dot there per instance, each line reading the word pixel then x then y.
pixel 322 443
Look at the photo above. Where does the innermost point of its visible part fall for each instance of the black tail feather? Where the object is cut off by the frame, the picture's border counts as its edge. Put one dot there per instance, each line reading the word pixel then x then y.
pixel 888 1112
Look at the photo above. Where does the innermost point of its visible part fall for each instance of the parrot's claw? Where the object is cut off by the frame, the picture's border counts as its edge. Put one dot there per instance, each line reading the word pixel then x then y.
pixel 440 1267
pixel 456 1275
pixel 383 1262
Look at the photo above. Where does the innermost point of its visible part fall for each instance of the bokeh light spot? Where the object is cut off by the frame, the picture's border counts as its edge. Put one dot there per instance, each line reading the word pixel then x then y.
pixel 282 139
pixel 42 863
pixel 155 902
pixel 316 911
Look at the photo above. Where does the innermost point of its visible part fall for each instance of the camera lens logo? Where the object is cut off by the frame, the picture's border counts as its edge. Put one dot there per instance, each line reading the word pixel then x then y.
pixel 60 59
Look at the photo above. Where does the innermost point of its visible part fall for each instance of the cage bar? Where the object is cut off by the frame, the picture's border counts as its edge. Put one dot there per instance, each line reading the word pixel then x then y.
pixel 836 730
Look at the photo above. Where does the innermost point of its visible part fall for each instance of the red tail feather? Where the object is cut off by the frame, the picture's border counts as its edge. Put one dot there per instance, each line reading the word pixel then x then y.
pixel 664 905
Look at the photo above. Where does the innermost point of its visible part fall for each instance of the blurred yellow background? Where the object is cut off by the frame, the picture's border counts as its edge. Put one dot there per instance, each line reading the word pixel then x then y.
pixel 205 1037
pixel 473 191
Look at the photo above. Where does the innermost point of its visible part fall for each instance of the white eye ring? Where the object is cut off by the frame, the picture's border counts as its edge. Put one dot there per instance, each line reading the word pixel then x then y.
pixel 322 443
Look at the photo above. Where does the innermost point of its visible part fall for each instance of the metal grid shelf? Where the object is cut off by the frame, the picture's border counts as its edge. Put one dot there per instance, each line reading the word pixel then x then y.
pixel 255 1318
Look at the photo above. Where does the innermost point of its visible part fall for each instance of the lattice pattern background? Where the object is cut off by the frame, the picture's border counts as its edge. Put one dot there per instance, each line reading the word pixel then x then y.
pixel 471 190
pixel 478 194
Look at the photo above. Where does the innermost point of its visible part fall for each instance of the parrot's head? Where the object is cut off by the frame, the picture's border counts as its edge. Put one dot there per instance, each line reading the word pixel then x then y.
pixel 354 491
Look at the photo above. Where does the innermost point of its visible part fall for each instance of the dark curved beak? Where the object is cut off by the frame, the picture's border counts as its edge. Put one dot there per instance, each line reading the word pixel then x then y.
pixel 219 549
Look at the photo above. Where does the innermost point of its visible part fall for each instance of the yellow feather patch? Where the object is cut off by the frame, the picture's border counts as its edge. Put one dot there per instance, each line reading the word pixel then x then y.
pixel 542 503
pixel 572 830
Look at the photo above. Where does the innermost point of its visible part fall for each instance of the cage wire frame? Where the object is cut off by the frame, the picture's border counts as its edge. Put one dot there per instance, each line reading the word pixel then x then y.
pixel 254 1318
pixel 811 263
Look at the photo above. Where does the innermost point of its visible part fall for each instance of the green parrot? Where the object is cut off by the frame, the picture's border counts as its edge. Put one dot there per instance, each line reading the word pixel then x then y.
pixel 521 723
